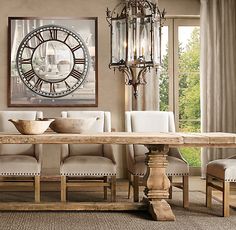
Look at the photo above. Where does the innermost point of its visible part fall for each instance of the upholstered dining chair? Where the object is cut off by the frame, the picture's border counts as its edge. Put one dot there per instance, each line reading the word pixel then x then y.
pixel 153 121
pixel 222 171
pixel 20 160
pixel 93 163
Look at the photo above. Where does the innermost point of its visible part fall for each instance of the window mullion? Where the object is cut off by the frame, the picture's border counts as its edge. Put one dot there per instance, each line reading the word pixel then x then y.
pixel 176 73
pixel 171 64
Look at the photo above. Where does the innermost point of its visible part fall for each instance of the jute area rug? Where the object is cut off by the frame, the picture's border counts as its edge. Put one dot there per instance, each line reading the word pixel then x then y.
pixel 196 217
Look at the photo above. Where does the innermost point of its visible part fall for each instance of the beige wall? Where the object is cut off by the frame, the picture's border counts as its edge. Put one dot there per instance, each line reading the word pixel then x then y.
pixel 180 7
pixel 110 86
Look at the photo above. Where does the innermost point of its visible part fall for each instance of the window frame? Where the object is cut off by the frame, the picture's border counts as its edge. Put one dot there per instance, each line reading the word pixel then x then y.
pixel 173 62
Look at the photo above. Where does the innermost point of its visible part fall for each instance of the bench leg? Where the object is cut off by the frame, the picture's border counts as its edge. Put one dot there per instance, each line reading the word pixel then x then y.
pixel 63 189
pixel 130 183
pixel 226 192
pixel 208 191
pixel 136 188
pixel 185 191
pixel 105 187
pixel 37 189
pixel 113 188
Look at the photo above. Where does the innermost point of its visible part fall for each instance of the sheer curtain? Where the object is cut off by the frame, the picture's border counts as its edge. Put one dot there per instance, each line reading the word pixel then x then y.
pixel 218 72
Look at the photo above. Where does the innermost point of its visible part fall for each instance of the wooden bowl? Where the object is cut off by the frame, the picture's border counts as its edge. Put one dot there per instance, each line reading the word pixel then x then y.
pixel 72 125
pixel 32 127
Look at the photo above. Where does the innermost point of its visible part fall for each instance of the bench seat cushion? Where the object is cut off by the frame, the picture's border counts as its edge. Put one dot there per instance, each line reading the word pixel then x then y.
pixel 224 169
pixel 19 165
pixel 88 166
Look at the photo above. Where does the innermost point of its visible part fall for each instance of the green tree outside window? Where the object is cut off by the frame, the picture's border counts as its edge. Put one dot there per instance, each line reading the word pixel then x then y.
pixel 189 91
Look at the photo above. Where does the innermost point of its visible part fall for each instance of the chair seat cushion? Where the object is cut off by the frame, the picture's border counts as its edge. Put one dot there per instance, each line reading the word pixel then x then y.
pixel 88 166
pixel 176 167
pixel 19 165
pixel 224 169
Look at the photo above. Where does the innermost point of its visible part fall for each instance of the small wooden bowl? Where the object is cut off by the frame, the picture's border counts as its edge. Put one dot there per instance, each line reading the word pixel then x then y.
pixel 31 127
pixel 72 125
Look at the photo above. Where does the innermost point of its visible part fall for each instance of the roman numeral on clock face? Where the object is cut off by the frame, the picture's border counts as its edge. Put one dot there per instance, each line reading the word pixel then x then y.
pixel 29 74
pixel 76 74
pixel 79 61
pixel 67 85
pixel 66 38
pixel 40 37
pixel 76 48
pixel 52 88
pixel 38 84
pixel 25 61
pixel 53 34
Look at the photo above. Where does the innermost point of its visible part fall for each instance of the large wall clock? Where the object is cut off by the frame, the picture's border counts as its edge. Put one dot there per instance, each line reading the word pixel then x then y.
pixel 52 61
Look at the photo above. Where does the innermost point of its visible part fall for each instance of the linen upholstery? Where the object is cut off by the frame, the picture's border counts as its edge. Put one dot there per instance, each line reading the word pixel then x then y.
pixel 19 165
pixel 19 159
pixel 88 165
pixel 89 159
pixel 224 169
pixel 152 121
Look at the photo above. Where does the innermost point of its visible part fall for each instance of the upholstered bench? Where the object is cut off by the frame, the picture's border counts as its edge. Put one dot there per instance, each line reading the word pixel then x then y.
pixel 224 171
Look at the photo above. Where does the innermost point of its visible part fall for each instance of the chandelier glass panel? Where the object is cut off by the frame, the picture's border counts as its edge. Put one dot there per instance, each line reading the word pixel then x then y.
pixel 135 28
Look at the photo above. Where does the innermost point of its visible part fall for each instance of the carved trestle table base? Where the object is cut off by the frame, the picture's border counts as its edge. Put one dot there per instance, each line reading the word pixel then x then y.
pixel 156 182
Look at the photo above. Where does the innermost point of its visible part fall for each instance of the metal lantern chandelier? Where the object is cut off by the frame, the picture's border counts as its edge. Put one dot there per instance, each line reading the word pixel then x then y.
pixel 135 39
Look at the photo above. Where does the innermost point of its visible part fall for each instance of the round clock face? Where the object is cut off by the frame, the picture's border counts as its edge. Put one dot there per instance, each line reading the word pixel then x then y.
pixel 52 61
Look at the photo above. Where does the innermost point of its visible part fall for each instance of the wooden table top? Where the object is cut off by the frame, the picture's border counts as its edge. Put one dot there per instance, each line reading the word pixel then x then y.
pixel 172 139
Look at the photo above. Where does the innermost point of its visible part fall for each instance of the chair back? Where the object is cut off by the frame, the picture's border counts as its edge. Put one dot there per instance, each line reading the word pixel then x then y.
pixel 148 121
pixel 7 126
pixel 103 124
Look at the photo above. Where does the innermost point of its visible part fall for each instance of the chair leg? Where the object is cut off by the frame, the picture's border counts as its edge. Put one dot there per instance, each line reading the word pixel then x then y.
pixel 37 189
pixel 170 189
pixel 226 192
pixel 113 188
pixel 63 189
pixel 105 187
pixel 130 183
pixel 185 191
pixel 136 188
pixel 208 191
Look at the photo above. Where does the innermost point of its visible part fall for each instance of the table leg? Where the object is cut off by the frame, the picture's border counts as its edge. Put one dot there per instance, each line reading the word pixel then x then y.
pixel 157 183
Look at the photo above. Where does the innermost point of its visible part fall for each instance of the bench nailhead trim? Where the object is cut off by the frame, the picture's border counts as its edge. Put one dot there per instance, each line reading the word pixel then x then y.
pixel 20 174
pixel 88 174
pixel 169 174
pixel 230 180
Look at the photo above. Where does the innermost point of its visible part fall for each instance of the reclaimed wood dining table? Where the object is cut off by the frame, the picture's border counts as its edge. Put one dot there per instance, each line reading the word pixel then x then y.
pixel 156 182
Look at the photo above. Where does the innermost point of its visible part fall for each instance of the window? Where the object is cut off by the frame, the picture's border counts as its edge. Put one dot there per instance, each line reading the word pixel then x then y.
pixel 180 78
